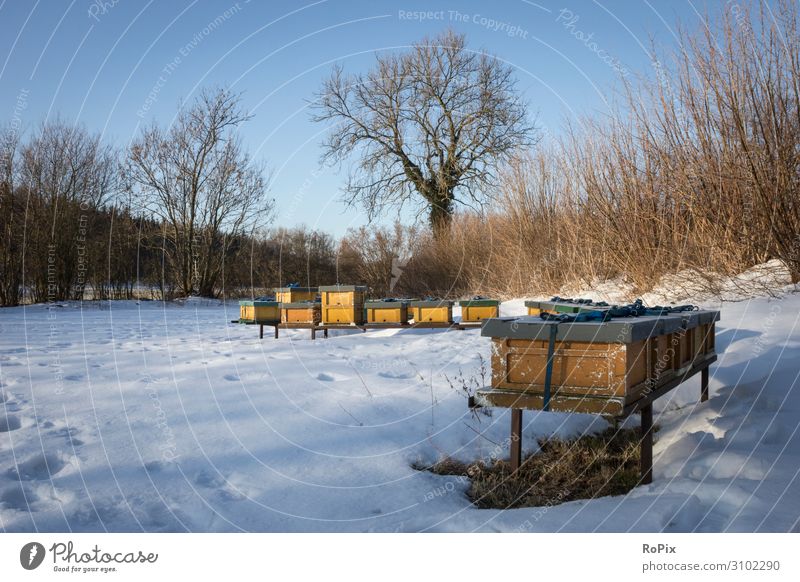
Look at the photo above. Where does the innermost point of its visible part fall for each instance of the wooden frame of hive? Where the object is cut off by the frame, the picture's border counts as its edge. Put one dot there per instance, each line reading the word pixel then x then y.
pixel 474 310
pixel 295 294
pixel 343 304
pixel 609 368
pixel 259 311
pixel 302 312
pixel 387 311
pixel 432 311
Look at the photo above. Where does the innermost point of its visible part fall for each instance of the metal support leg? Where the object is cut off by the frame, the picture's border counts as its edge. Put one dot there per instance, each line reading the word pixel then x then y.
pixel 548 373
pixel 516 439
pixel 260 331
pixel 325 333
pixel 313 332
pixel 704 384
pixel 276 332
pixel 646 451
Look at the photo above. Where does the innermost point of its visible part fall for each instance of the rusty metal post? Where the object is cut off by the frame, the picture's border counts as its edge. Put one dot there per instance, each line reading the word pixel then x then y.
pixel 704 384
pixel 548 372
pixel 646 448
pixel 516 439
pixel 260 331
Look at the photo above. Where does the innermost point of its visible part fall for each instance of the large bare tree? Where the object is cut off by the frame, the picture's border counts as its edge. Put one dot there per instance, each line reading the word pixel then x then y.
pixel 196 177
pixel 434 122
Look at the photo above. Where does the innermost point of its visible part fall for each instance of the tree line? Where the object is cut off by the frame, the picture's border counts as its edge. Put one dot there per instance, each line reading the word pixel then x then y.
pixel 694 170
pixel 182 211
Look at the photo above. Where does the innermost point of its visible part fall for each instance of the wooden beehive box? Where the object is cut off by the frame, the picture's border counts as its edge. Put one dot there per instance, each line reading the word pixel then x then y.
pixel 597 367
pixel 295 294
pixel 474 310
pixel 387 311
pixel 343 304
pixel 259 311
pixel 436 311
pixel 301 312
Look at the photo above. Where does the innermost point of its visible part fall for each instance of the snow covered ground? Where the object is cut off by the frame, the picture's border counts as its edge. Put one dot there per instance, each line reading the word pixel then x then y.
pixel 126 417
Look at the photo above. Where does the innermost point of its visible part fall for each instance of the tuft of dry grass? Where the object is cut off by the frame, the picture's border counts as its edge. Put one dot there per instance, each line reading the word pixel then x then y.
pixel 563 470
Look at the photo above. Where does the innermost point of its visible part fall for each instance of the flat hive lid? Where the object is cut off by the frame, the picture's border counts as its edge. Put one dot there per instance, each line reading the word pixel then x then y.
pixel 385 304
pixel 438 303
pixel 621 330
pixel 479 303
pixel 300 289
pixel 339 288
pixel 259 303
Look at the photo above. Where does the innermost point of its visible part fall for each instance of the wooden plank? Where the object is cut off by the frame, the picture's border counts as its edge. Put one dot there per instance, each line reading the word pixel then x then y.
pixel 558 402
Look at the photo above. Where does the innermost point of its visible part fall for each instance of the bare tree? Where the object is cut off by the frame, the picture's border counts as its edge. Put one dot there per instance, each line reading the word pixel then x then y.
pixel 196 177
pixel 66 174
pixel 436 122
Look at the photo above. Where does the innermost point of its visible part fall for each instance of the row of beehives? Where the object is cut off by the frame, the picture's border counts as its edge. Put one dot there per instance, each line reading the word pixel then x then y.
pixel 348 304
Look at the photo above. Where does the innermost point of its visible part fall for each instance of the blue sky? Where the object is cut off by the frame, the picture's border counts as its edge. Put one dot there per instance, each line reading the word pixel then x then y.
pixel 116 64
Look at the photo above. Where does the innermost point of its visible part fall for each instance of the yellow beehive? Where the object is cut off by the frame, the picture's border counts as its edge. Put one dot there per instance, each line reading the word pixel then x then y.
pixel 533 307
pixel 343 304
pixel 386 311
pixel 475 310
pixel 304 312
pixel 432 311
pixel 259 311
pixel 295 294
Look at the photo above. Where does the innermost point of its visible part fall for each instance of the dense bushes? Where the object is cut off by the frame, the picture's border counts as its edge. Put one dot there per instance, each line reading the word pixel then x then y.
pixel 697 169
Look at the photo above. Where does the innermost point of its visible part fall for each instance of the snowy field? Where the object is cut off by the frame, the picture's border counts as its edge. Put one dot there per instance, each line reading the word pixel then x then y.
pixel 130 417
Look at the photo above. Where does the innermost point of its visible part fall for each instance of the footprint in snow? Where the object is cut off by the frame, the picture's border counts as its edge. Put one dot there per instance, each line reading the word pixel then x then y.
pixel 396 375
pixel 14 351
pixel 19 497
pixel 153 467
pixel 38 467
pixel 330 377
pixel 9 422
pixel 207 479
pixel 231 377
pixel 70 434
